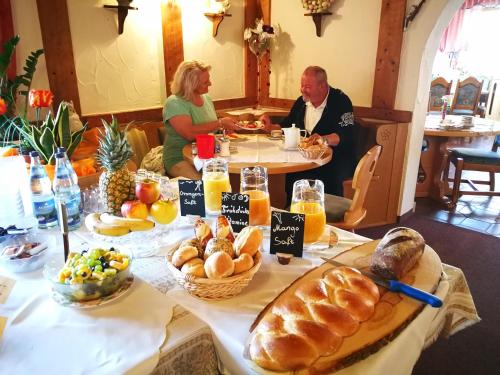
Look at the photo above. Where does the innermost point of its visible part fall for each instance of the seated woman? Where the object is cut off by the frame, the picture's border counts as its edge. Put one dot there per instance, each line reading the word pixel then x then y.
pixel 187 112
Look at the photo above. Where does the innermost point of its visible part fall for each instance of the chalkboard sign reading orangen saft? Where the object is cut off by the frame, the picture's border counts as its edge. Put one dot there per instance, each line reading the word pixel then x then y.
pixel 191 197
pixel 236 207
pixel 287 233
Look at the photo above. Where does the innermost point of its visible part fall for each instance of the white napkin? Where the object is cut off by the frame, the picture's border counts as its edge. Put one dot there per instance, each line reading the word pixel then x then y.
pixel 198 163
pixel 122 336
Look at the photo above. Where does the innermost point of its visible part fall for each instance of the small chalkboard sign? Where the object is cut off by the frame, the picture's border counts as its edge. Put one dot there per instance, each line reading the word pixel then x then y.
pixel 191 197
pixel 236 207
pixel 287 233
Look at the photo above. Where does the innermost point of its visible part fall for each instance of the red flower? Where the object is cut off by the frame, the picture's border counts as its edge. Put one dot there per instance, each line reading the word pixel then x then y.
pixel 3 107
pixel 40 98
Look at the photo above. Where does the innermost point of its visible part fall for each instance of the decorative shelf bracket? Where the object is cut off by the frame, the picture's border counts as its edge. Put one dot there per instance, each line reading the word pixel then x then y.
pixel 216 19
pixel 123 9
pixel 317 20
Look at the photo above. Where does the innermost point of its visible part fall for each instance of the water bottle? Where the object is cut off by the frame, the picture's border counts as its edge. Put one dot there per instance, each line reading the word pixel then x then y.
pixel 73 175
pixel 42 198
pixel 67 192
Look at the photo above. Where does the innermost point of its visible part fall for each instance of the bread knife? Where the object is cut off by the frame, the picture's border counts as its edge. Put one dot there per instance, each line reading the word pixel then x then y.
pixel 396 286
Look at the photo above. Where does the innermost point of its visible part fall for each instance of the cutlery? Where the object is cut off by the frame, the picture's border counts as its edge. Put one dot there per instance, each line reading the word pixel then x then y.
pixel 397 286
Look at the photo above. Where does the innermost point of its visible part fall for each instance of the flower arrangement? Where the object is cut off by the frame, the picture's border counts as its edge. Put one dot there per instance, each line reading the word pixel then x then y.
pixel 259 38
pixel 317 6
pixel 219 6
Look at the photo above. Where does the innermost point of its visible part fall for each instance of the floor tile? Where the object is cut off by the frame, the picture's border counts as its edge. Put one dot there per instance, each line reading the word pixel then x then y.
pixel 494 230
pixel 489 216
pixel 449 217
pixel 474 224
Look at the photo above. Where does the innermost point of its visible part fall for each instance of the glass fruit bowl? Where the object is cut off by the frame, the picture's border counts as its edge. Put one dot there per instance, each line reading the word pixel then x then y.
pixel 88 275
pixel 25 252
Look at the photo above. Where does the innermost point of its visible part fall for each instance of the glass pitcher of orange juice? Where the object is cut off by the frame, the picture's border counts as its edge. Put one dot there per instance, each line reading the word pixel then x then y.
pixel 215 182
pixel 308 198
pixel 253 181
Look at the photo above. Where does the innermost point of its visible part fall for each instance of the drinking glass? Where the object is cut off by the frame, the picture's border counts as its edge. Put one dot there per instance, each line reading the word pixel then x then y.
pixel 308 198
pixel 253 181
pixel 215 181
pixel 205 144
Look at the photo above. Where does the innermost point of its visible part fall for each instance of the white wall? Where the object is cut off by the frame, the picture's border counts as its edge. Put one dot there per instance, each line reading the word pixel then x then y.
pixel 347 48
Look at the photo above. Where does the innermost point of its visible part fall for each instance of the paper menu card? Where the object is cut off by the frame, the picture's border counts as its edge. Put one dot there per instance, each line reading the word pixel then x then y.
pixel 6 286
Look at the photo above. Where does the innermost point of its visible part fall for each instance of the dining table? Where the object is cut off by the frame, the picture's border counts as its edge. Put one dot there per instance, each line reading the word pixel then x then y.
pixel 438 138
pixel 249 150
pixel 158 327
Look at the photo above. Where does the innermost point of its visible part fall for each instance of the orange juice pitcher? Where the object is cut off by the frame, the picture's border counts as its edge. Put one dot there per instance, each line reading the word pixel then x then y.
pixel 308 198
pixel 215 182
pixel 253 181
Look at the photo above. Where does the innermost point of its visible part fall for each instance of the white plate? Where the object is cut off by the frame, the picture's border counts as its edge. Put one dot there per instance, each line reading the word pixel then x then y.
pixel 60 299
pixel 256 125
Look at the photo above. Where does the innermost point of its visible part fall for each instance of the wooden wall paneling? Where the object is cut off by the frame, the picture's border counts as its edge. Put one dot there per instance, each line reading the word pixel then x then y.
pixel 173 44
pixel 7 32
pixel 265 61
pixel 251 13
pixel 390 41
pixel 56 37
pixel 153 114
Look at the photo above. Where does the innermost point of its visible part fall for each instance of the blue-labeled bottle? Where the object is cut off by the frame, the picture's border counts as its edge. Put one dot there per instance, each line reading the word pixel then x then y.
pixel 65 192
pixel 42 198
pixel 74 177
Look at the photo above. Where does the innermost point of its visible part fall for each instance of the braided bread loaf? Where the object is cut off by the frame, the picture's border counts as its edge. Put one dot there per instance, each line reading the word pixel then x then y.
pixel 300 328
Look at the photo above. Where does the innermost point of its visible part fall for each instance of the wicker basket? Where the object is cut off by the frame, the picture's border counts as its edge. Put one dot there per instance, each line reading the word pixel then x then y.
pixel 214 289
pixel 314 153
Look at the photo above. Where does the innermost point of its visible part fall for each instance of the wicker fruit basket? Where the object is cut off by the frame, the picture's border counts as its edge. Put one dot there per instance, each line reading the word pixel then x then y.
pixel 313 152
pixel 214 289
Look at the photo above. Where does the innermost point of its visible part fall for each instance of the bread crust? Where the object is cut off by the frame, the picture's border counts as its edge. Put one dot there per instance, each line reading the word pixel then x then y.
pixel 183 254
pixel 248 241
pixel 219 265
pixel 243 263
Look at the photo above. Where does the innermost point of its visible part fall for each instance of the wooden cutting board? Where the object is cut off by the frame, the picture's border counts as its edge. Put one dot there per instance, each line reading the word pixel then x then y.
pixel 392 313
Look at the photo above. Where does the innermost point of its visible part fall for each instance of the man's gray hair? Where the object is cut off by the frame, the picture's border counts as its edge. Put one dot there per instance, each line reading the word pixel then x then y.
pixel 318 72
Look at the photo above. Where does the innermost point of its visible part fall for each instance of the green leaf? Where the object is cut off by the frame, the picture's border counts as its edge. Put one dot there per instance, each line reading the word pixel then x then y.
pixel 76 138
pixel 6 55
pixel 47 141
pixel 63 127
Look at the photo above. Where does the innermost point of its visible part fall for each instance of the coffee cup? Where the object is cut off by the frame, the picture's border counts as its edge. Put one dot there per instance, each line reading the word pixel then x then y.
pixel 276 133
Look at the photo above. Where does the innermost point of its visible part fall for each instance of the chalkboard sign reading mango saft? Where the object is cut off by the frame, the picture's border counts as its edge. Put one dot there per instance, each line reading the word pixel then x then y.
pixel 287 233
pixel 191 197
pixel 236 207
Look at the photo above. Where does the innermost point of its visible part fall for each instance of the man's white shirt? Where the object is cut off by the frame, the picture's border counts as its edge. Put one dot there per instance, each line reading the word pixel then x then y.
pixel 313 114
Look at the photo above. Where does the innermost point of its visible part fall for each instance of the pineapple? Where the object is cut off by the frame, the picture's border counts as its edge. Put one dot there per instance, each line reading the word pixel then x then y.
pixel 116 184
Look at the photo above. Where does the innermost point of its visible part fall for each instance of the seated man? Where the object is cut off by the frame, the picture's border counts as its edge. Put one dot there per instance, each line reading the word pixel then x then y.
pixel 324 112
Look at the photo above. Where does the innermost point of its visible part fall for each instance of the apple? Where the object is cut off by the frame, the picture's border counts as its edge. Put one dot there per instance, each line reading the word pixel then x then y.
pixel 134 209
pixel 163 211
pixel 147 191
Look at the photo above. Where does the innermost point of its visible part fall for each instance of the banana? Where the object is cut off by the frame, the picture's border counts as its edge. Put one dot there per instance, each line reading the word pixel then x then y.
pixel 132 224
pixel 94 224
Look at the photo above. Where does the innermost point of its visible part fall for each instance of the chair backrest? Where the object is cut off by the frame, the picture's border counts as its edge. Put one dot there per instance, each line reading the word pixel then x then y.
pixel 139 142
pixel 467 95
pixel 360 184
pixel 496 143
pixel 439 88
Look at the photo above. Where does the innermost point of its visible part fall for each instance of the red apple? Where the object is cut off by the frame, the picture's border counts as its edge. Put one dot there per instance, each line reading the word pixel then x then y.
pixel 135 210
pixel 147 191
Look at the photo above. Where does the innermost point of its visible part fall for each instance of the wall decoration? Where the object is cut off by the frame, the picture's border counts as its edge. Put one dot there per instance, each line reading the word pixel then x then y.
pixel 123 7
pixel 217 10
pixel 317 10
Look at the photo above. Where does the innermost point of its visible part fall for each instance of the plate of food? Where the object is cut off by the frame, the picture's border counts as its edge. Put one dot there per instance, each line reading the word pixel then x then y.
pixel 250 125
pixel 233 137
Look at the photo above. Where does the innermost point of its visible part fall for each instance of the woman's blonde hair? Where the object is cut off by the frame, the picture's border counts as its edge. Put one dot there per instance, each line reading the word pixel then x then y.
pixel 187 78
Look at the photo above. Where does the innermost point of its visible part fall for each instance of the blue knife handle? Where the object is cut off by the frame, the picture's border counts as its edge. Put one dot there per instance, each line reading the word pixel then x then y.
pixel 396 286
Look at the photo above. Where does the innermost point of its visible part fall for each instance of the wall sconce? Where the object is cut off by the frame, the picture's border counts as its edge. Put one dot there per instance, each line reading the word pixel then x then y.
pixel 123 8
pixel 217 10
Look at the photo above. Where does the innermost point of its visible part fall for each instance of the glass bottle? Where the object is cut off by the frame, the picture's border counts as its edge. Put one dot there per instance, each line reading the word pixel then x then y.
pixel 65 191
pixel 42 198
pixel 74 176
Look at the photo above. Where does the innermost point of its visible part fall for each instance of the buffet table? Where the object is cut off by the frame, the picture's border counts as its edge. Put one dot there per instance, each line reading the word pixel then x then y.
pixel 201 334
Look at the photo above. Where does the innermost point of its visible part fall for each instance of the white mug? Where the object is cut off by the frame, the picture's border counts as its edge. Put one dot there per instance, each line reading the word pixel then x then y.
pixel 292 137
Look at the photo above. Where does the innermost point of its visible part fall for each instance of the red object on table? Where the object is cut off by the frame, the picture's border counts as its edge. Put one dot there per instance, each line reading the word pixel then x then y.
pixel 206 146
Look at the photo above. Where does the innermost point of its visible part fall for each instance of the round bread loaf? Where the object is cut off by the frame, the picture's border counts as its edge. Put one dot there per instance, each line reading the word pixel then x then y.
pixel 218 244
pixel 184 254
pixel 248 241
pixel 195 243
pixel 243 263
pixel 219 265
pixel 397 253
pixel 194 267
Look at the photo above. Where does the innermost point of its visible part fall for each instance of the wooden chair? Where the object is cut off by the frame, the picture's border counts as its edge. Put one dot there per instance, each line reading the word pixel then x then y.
pixel 346 213
pixel 439 88
pixel 139 142
pixel 466 98
pixel 473 159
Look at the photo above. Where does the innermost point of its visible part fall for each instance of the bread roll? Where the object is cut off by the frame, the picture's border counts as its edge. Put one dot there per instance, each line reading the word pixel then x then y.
pixel 218 244
pixel 311 322
pixel 184 254
pixel 243 263
pixel 219 265
pixel 223 229
pixel 248 241
pixel 202 232
pixel 397 253
pixel 194 267
pixel 195 243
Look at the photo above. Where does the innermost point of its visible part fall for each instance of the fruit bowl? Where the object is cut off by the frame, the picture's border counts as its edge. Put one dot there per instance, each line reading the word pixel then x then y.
pixel 73 283
pixel 32 249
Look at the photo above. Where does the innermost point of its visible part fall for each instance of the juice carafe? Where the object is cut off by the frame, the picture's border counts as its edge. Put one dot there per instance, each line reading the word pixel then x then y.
pixel 308 199
pixel 253 181
pixel 215 181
